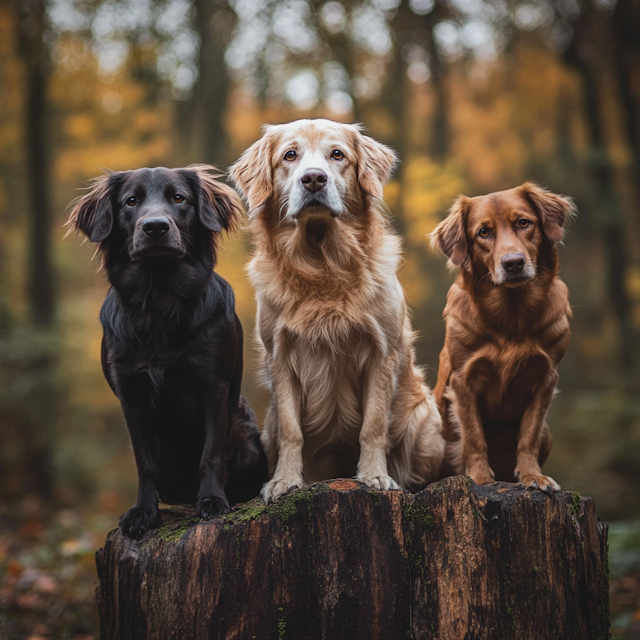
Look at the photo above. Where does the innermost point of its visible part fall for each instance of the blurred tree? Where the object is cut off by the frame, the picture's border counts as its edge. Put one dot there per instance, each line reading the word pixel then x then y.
pixel 587 29
pixel 200 118
pixel 36 364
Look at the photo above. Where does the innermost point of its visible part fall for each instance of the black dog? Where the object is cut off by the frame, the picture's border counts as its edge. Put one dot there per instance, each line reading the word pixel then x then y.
pixel 172 345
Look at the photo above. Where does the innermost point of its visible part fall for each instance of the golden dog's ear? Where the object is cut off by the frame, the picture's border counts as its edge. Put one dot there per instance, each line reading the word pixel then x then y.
pixel 252 173
pixel 375 164
pixel 92 213
pixel 450 236
pixel 219 206
pixel 553 210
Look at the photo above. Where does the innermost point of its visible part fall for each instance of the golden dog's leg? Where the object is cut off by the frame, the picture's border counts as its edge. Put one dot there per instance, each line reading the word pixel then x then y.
pixel 530 438
pixel 288 436
pixel 374 435
pixel 474 446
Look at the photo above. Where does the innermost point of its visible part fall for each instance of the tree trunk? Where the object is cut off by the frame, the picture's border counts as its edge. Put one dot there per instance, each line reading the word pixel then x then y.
pixel 340 560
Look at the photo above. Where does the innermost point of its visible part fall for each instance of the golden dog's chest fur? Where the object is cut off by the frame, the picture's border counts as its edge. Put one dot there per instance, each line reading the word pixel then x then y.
pixel 334 337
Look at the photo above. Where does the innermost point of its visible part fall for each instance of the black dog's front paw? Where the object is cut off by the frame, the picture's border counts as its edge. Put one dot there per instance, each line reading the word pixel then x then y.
pixel 137 521
pixel 213 507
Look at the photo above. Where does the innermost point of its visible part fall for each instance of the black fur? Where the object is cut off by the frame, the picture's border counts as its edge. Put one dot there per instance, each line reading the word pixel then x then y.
pixel 172 345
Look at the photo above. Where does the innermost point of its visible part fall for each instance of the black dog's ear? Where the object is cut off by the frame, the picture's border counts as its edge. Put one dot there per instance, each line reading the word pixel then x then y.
pixel 92 213
pixel 450 235
pixel 219 206
pixel 553 210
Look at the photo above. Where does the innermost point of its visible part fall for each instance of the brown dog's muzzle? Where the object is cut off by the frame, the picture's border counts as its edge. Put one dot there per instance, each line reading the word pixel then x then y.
pixel 513 262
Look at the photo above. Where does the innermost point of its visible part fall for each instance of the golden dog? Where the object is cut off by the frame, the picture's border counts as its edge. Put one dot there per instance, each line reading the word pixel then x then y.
pixel 336 346
pixel 507 328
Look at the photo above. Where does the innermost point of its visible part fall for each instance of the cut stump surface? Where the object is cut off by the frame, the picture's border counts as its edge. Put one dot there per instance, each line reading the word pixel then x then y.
pixel 338 560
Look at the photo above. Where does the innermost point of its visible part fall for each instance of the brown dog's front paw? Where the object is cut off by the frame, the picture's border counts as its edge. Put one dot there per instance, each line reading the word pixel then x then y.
pixel 481 474
pixel 533 481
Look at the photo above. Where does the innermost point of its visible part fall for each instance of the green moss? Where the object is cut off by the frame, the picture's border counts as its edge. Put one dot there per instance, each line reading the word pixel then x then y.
pixel 246 513
pixel 288 506
pixel 173 532
pixel 282 625
pixel 417 513
pixel 375 497
pixel 574 505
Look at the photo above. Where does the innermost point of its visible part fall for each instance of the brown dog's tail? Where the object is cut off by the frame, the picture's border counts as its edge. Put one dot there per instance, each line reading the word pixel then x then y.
pixel 247 468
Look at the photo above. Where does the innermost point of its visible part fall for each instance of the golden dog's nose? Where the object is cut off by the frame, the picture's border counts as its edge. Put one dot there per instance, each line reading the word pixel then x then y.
pixel 313 180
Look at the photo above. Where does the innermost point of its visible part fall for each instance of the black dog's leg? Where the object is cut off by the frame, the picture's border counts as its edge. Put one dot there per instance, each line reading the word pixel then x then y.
pixel 144 515
pixel 212 501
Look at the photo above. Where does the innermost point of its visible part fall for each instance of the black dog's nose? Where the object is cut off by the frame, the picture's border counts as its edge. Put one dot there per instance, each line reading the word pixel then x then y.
pixel 155 227
pixel 313 180
pixel 513 262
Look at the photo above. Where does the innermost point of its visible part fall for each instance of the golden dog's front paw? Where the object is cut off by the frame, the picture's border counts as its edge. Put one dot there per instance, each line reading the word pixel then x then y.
pixel 277 487
pixel 382 482
pixel 533 481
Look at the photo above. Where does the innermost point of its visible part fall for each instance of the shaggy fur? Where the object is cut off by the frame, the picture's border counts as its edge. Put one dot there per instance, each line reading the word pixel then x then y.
pixel 172 345
pixel 335 342
pixel 507 328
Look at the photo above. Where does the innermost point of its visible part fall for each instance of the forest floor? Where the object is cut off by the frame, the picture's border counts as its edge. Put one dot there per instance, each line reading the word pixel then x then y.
pixel 48 574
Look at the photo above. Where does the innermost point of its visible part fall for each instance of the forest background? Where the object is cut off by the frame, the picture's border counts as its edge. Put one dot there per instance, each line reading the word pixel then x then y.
pixel 475 95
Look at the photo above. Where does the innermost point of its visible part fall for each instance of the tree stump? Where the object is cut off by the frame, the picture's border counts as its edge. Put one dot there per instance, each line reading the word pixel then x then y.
pixel 339 560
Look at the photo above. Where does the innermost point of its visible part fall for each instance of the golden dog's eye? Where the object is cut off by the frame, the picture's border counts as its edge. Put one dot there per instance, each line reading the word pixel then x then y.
pixel 132 201
pixel 484 232
pixel 336 154
pixel 524 223
pixel 291 155
pixel 178 198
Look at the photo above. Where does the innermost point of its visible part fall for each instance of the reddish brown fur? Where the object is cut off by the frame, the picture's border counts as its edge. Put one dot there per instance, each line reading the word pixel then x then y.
pixel 504 337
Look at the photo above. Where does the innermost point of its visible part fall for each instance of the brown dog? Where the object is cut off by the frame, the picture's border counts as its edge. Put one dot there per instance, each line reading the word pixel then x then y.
pixel 336 345
pixel 507 328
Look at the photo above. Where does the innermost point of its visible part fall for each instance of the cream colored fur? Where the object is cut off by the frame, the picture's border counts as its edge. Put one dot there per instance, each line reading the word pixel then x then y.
pixel 335 342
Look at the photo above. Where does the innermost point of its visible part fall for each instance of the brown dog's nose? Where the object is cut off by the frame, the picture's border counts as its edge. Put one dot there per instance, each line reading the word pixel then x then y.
pixel 155 227
pixel 313 180
pixel 513 262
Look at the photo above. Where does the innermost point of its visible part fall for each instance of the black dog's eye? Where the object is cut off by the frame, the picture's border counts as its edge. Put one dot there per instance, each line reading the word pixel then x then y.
pixel 178 198
pixel 524 223
pixel 336 154
pixel 484 232
pixel 291 155
pixel 132 201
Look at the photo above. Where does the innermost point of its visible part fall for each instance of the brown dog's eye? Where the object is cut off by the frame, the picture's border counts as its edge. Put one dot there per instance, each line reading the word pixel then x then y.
pixel 484 232
pixel 337 154
pixel 178 198
pixel 524 223
pixel 132 201
pixel 291 155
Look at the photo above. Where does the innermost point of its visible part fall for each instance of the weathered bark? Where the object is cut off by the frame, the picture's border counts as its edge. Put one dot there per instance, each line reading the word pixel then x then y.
pixel 339 560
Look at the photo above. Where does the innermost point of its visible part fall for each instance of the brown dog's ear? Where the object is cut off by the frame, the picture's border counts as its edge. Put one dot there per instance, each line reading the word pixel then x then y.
pixel 450 236
pixel 219 206
pixel 554 210
pixel 92 213
pixel 375 164
pixel 252 174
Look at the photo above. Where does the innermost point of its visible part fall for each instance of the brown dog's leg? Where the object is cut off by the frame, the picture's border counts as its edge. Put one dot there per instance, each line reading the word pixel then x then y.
pixel 530 438
pixel 474 446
